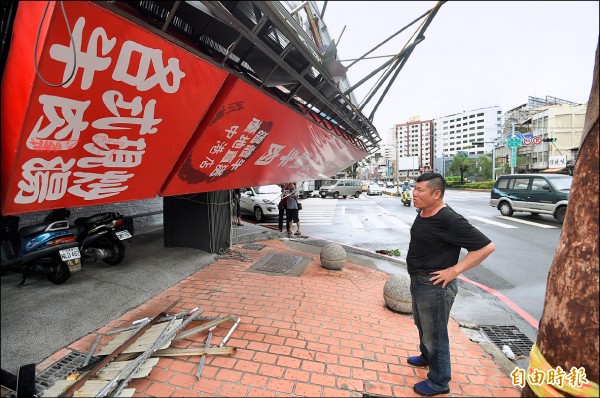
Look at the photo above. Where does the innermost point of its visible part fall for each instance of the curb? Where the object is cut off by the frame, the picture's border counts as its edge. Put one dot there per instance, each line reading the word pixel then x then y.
pixel 349 249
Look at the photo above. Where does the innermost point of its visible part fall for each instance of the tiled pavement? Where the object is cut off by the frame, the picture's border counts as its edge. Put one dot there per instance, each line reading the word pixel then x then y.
pixel 325 333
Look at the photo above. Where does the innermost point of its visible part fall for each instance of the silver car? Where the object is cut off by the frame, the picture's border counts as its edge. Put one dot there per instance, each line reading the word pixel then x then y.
pixel 374 189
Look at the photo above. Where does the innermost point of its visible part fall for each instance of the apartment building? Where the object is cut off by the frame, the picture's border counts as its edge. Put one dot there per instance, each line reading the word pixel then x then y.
pixel 563 123
pixel 472 132
pixel 414 144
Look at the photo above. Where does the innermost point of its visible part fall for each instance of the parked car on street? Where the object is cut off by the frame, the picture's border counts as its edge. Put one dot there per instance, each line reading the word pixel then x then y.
pixel 389 184
pixel 261 201
pixel 374 189
pixel 534 193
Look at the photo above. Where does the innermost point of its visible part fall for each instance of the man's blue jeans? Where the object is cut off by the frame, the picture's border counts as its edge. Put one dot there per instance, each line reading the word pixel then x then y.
pixel 431 310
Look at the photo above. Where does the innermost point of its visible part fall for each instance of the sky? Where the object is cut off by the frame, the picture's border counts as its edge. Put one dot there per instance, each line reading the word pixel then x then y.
pixel 475 54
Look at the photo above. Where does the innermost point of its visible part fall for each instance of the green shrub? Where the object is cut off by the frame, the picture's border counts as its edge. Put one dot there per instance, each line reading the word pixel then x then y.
pixel 455 184
pixel 453 179
pixel 480 185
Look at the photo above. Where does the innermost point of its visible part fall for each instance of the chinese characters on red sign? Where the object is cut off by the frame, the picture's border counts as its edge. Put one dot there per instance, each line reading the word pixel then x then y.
pixel 137 116
pixel 111 132
pixel 263 142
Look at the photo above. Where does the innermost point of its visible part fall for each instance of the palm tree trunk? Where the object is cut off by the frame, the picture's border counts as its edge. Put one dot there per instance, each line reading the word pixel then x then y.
pixel 568 334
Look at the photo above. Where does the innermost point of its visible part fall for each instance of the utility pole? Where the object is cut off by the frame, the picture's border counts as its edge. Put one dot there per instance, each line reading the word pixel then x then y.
pixel 494 162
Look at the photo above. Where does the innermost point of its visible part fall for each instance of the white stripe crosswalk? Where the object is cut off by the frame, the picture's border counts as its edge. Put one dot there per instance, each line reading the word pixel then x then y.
pixel 535 224
pixel 492 222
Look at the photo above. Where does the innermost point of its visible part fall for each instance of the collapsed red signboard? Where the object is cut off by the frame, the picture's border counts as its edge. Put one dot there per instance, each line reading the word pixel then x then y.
pixel 251 139
pixel 118 113
pixel 114 130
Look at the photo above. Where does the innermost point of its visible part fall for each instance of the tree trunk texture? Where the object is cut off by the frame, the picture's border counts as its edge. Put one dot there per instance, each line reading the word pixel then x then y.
pixel 568 334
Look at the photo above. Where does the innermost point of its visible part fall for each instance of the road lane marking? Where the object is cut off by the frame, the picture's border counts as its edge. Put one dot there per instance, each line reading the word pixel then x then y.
pixel 498 224
pixel 400 224
pixel 356 224
pixel 527 222
pixel 375 222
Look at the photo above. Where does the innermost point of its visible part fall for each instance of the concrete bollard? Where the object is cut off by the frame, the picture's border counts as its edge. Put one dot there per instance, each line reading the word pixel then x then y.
pixel 396 294
pixel 333 256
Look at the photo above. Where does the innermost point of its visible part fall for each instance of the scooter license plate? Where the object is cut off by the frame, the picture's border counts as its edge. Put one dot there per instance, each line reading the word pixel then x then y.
pixel 122 235
pixel 69 254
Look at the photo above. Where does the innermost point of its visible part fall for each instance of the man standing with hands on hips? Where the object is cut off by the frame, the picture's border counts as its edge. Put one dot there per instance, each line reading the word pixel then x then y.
pixel 436 237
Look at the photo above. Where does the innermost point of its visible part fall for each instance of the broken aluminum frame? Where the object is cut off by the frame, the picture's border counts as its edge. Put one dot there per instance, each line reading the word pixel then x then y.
pixel 203 357
pixel 228 335
pixel 132 368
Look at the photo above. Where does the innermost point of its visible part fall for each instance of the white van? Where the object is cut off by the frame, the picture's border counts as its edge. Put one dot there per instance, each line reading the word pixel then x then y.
pixel 343 188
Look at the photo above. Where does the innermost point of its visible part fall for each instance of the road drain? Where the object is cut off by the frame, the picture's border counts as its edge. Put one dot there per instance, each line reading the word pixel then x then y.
pixel 60 370
pixel 510 336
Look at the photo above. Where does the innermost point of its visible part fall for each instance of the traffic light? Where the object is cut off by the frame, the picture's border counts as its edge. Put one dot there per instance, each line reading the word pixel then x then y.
pixel 549 139
pixel 506 158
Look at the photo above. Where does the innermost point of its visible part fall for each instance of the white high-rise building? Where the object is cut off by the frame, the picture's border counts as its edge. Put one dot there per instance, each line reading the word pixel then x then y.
pixel 414 144
pixel 472 132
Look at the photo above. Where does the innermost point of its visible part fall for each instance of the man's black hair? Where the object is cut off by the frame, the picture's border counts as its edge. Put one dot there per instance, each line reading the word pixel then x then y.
pixel 435 181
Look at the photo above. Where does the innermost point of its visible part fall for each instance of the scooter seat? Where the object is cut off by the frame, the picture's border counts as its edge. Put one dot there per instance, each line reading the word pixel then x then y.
pixel 96 218
pixel 38 228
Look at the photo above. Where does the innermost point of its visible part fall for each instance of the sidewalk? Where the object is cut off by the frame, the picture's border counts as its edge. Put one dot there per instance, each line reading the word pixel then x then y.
pixel 322 333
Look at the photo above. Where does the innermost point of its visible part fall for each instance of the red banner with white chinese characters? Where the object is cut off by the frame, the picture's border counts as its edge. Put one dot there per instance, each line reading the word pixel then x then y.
pixel 252 139
pixel 117 113
pixel 113 131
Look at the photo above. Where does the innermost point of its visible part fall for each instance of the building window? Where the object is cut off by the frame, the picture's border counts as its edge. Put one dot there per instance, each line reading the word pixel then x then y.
pixel 481 114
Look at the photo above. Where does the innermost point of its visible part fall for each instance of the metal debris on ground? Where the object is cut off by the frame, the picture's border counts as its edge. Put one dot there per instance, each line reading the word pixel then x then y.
pixel 232 253
pixel 133 354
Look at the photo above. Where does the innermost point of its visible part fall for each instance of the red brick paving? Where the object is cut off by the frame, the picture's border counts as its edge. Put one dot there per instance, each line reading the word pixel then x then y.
pixel 325 333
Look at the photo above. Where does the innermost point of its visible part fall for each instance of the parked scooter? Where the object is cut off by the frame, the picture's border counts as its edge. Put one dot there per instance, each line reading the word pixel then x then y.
pixel 49 249
pixel 101 236
pixel 406 197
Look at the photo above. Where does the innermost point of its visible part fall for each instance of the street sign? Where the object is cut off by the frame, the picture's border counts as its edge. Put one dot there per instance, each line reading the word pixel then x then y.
pixel 514 142
pixel 513 157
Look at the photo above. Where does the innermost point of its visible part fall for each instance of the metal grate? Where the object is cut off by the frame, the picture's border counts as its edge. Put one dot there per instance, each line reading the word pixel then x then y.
pixel 60 370
pixel 254 246
pixel 510 336
pixel 280 264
